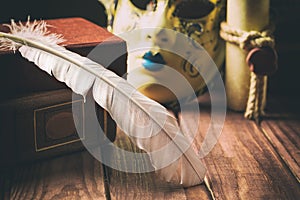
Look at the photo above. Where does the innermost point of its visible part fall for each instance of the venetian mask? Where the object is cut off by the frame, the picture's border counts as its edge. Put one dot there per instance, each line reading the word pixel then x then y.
pixel 197 19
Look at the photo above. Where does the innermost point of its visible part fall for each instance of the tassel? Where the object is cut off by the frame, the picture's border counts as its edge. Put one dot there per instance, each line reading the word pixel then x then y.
pixel 170 152
pixel 256 100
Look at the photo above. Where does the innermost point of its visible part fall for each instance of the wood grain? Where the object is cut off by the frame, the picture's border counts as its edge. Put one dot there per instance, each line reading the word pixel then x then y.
pixel 284 136
pixel 145 185
pixel 198 192
pixel 243 164
pixel 76 176
pixel 281 127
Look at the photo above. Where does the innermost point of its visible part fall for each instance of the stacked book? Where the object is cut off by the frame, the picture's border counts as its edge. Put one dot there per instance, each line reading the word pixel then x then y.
pixel 40 117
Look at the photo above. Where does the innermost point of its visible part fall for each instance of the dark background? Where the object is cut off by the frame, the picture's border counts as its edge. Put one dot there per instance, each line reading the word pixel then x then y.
pixel 49 9
pixel 284 82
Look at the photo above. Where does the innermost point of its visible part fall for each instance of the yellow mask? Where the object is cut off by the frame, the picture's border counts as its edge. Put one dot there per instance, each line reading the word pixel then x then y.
pixel 196 19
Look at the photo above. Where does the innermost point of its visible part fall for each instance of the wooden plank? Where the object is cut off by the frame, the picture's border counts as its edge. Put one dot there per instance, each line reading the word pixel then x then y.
pixel 144 185
pixel 76 176
pixel 198 192
pixel 243 164
pixel 281 127
pixel 284 136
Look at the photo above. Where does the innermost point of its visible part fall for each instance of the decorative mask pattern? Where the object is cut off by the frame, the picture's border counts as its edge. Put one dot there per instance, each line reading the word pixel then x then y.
pixel 197 19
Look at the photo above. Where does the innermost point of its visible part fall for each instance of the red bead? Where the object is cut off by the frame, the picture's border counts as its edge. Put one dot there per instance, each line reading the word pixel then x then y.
pixel 262 61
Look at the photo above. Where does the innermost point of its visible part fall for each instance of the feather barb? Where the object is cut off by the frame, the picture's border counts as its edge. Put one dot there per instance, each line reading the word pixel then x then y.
pixel 158 133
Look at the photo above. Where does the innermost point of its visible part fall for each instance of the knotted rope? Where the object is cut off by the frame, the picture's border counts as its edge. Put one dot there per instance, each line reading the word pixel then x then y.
pixel 258 83
pixel 247 40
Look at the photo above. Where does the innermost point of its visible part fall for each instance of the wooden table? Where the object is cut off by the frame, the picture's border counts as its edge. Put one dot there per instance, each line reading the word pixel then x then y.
pixel 249 161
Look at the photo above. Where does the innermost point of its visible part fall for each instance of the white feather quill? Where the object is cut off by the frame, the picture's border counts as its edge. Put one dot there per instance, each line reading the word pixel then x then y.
pixel 169 150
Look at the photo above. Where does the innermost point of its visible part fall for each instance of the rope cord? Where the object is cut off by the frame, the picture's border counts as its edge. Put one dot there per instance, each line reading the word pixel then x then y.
pixel 248 40
pixel 258 83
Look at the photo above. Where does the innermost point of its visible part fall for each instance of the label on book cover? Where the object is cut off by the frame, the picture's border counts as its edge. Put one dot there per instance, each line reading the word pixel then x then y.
pixel 55 125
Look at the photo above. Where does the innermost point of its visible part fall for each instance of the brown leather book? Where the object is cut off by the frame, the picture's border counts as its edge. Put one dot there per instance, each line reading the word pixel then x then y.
pixel 36 116
pixel 19 77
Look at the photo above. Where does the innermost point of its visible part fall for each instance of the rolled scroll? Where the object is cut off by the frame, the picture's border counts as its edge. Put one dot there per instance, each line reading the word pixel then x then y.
pixel 247 15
